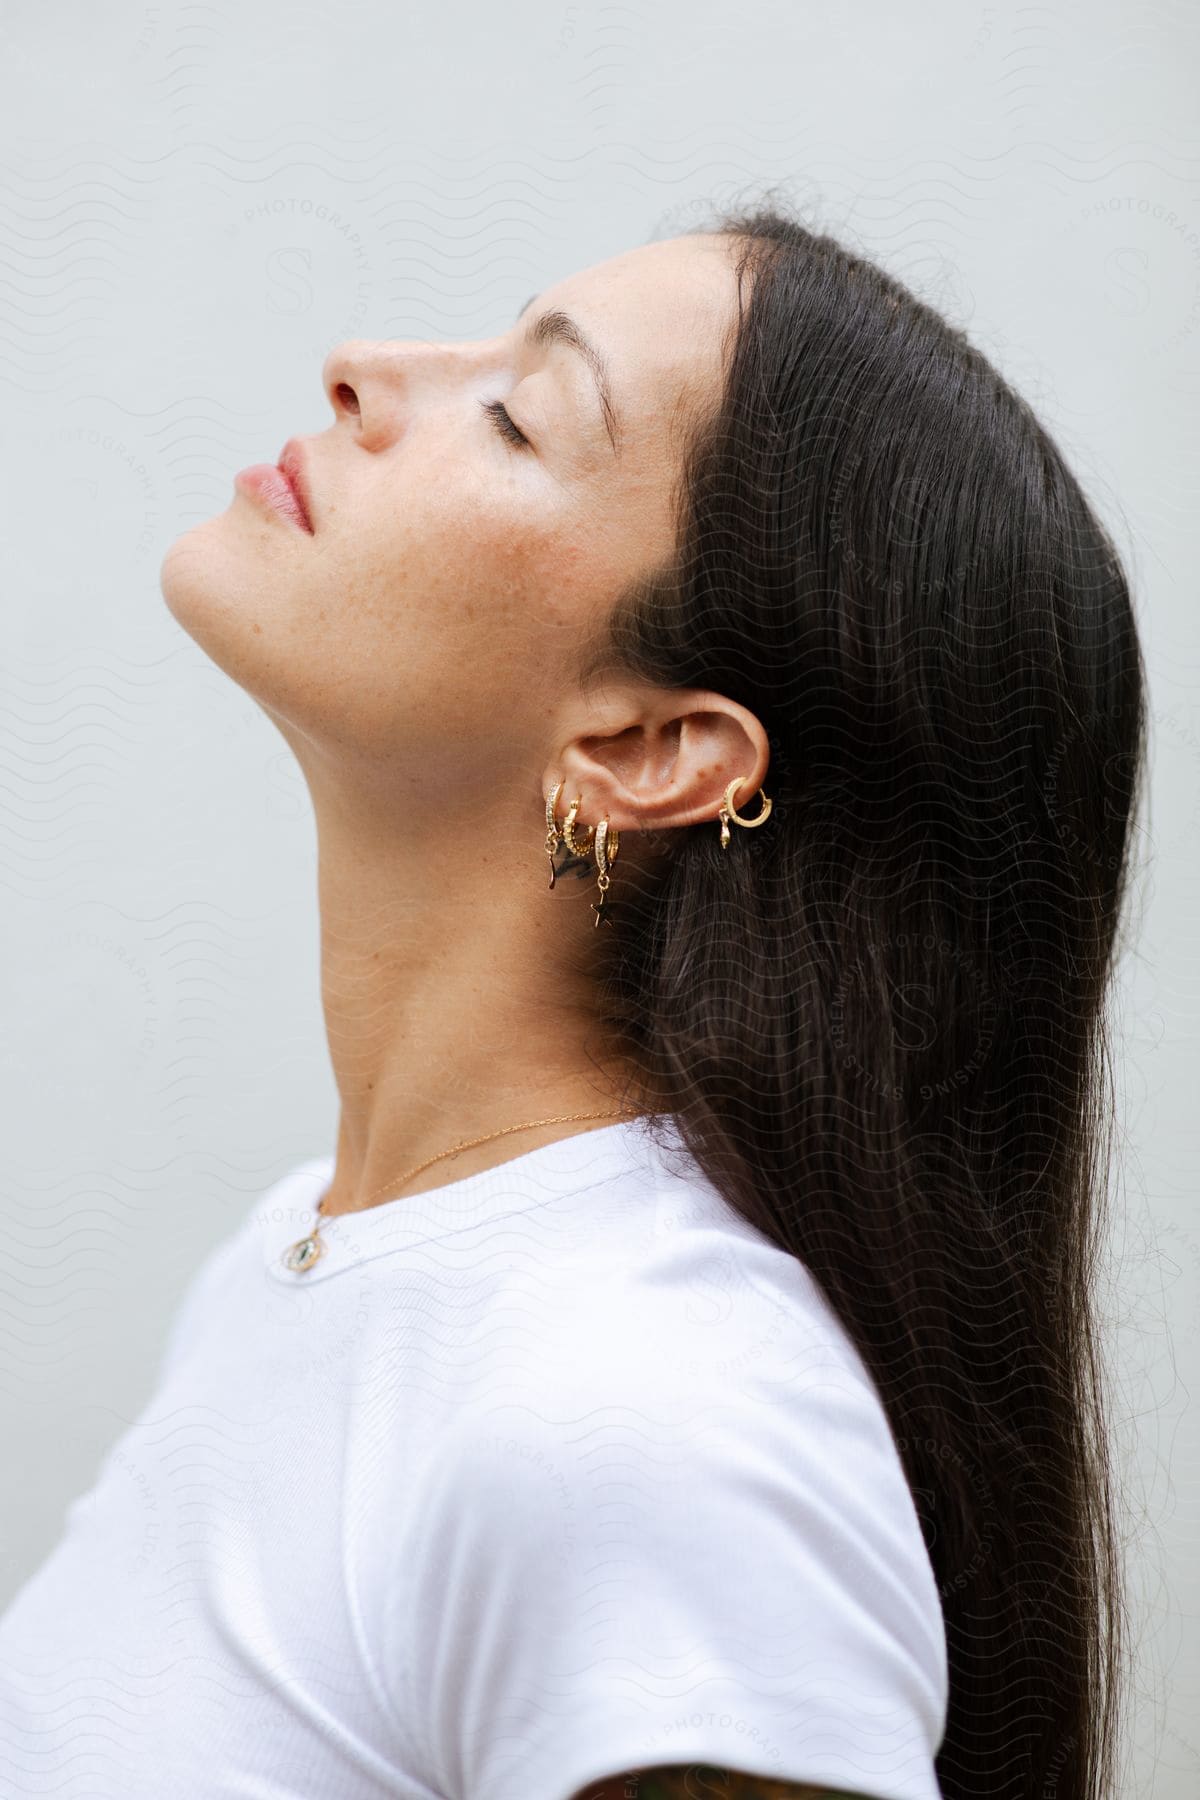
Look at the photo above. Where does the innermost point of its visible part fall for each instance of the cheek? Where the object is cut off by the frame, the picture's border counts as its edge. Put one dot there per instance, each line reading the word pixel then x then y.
pixel 578 564
pixel 528 568
pixel 515 565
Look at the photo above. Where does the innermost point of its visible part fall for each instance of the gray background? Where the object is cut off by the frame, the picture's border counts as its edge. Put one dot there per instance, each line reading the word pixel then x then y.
pixel 197 203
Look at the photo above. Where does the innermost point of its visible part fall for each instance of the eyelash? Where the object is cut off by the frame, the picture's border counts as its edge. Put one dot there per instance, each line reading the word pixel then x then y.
pixel 498 413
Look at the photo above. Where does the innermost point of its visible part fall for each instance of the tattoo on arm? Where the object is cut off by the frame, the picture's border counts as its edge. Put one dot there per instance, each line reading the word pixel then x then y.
pixel 700 1781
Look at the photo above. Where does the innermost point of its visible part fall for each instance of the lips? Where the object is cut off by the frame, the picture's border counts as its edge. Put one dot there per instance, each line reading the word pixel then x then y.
pixel 291 467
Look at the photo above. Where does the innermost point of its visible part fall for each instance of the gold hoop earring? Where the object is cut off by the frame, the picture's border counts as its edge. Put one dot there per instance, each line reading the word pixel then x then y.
pixel 568 831
pixel 727 810
pixel 576 850
pixel 605 843
pixel 553 835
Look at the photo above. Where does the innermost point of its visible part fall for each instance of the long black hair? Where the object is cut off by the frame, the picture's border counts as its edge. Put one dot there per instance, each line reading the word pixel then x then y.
pixel 880 1019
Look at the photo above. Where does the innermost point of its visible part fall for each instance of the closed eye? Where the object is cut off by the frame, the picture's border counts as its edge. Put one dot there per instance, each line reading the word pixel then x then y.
pixel 499 414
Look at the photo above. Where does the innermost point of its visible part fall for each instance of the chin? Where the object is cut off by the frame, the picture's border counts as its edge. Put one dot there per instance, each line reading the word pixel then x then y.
pixel 209 593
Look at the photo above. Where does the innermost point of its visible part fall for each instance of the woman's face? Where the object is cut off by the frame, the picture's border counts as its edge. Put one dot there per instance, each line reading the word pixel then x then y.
pixel 436 611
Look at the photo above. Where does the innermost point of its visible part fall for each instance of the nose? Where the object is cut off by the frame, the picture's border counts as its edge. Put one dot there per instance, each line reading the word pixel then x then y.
pixel 379 384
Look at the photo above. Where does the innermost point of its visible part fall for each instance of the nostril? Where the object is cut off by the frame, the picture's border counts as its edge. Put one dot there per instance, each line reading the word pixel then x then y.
pixel 347 396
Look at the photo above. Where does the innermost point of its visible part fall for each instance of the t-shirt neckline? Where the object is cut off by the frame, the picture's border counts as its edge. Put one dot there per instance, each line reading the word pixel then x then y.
pixel 563 1167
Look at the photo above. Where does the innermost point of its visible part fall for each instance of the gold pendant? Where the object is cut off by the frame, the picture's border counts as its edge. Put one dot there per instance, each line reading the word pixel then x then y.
pixel 302 1255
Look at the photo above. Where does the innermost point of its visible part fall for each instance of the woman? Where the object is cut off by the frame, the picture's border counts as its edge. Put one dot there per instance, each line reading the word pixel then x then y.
pixel 682 1379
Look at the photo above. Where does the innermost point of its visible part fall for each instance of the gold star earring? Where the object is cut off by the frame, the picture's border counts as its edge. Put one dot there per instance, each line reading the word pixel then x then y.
pixel 605 843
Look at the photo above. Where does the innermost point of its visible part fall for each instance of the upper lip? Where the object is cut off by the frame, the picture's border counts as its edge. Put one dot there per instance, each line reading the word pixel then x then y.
pixel 291 464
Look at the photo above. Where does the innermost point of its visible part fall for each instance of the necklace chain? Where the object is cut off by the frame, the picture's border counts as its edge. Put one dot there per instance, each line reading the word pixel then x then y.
pixel 559 1119
pixel 307 1250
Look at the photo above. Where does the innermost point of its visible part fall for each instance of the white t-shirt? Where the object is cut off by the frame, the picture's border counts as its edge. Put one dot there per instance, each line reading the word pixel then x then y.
pixel 547 1474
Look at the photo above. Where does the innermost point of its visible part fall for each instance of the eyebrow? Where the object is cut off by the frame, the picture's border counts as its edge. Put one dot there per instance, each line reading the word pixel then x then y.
pixel 557 327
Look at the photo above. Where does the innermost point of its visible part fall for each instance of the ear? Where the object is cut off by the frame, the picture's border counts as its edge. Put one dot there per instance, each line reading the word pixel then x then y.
pixel 665 762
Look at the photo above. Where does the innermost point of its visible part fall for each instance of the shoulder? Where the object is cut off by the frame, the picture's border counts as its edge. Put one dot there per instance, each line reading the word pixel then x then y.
pixel 769 1462
pixel 643 1561
pixel 693 1396
pixel 667 1526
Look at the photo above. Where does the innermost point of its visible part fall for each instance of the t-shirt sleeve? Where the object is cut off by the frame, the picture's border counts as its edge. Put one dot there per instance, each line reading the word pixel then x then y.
pixel 741 1584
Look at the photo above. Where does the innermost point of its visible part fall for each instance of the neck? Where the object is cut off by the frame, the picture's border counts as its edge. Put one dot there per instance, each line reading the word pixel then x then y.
pixel 449 1009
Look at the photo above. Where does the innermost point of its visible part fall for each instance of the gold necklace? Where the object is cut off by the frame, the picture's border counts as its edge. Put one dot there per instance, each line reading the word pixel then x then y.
pixel 301 1256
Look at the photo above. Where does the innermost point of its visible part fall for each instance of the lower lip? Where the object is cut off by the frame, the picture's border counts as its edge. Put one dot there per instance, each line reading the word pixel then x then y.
pixel 272 485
